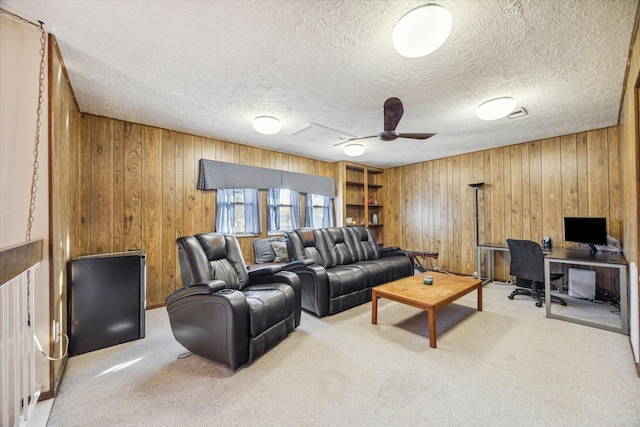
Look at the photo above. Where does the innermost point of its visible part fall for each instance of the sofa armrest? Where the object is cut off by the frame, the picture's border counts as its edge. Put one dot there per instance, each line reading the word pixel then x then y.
pixel 211 324
pixel 284 277
pixel 390 249
pixel 314 283
pixel 214 284
pixel 273 269
pixel 202 288
pixel 393 251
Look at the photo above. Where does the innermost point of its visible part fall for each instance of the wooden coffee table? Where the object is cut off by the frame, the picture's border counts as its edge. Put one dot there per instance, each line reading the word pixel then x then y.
pixel 410 290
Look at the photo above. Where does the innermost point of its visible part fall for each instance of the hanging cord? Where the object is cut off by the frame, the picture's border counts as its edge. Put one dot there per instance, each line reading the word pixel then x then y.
pixel 36 164
pixel 66 349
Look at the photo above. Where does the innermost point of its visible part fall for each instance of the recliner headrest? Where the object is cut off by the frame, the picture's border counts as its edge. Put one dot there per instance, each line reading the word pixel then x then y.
pixel 307 236
pixel 361 232
pixel 336 234
pixel 213 244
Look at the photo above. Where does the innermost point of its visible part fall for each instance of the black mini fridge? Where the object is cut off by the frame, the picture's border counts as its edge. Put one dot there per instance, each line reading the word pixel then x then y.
pixel 106 300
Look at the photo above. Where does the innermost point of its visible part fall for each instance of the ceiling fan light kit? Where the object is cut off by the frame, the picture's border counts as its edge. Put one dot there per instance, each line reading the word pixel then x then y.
pixel 496 108
pixel 266 125
pixel 422 31
pixel 354 150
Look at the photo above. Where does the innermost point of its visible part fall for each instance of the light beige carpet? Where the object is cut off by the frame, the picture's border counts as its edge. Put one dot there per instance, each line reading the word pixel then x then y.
pixel 505 366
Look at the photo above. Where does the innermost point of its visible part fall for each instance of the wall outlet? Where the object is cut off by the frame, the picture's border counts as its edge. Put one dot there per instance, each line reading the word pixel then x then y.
pixel 56 332
pixel 475 274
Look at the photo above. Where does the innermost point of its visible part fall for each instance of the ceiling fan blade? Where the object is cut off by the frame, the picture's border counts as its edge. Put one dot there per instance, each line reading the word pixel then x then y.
pixel 354 139
pixel 393 112
pixel 415 135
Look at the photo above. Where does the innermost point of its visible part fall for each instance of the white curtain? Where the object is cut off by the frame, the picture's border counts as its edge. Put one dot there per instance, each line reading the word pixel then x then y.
pixel 225 211
pixel 253 225
pixel 273 211
pixel 273 214
pixel 296 210
pixel 327 212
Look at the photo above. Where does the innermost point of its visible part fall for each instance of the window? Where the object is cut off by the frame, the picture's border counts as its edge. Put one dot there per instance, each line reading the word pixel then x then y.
pixel 237 211
pixel 318 211
pixel 284 210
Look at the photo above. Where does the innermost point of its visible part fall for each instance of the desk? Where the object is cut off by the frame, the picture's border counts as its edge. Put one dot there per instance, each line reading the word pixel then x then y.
pixel 598 259
pixel 489 247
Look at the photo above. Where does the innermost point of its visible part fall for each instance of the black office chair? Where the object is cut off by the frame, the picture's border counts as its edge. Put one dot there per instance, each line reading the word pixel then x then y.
pixel 527 265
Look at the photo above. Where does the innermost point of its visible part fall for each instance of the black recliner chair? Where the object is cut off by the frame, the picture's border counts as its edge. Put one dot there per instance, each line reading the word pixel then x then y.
pixel 224 312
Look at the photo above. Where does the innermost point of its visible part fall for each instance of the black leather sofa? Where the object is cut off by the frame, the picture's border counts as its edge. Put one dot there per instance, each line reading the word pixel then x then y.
pixel 343 264
pixel 224 312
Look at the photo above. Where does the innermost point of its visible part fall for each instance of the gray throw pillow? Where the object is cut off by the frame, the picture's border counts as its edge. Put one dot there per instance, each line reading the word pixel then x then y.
pixel 280 249
pixel 264 251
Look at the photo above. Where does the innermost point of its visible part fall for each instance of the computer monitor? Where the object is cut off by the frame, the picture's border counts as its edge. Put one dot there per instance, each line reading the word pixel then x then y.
pixel 591 231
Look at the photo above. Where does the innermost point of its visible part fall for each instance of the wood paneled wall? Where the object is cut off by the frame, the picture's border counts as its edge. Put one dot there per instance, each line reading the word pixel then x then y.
pixel 528 190
pixel 138 191
pixel 64 193
pixel 138 186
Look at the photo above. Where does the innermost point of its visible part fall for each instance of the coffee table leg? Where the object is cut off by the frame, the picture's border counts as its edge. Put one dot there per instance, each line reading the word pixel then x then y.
pixel 480 297
pixel 432 327
pixel 374 308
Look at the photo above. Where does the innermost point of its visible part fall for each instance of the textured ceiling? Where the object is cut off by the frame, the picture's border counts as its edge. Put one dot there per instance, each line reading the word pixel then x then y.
pixel 209 67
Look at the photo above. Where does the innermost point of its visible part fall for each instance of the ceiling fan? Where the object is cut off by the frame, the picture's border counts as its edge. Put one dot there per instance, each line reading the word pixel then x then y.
pixel 393 111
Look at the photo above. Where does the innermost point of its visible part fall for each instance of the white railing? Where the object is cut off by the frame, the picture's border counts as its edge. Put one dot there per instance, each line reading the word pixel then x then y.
pixel 19 393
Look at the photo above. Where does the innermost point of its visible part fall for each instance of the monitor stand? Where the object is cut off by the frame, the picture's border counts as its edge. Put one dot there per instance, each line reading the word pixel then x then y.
pixel 592 248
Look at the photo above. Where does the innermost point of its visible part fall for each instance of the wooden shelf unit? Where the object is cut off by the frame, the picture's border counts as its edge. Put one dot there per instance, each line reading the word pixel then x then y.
pixel 358 184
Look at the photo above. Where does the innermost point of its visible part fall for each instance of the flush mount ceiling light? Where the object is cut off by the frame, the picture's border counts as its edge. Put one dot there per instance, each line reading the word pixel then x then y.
pixel 266 125
pixel 496 108
pixel 422 30
pixel 354 150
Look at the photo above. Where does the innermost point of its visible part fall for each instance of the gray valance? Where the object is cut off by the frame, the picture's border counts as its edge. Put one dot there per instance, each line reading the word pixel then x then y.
pixel 214 175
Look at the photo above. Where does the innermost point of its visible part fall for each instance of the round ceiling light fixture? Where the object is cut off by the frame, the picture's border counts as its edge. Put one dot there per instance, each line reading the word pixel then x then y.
pixel 266 125
pixel 422 30
pixel 354 150
pixel 496 108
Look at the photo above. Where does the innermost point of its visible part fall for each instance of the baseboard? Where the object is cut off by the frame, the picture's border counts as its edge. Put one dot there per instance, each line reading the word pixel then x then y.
pixel 53 391
pixel 58 380
pixel 46 395
pixel 152 306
